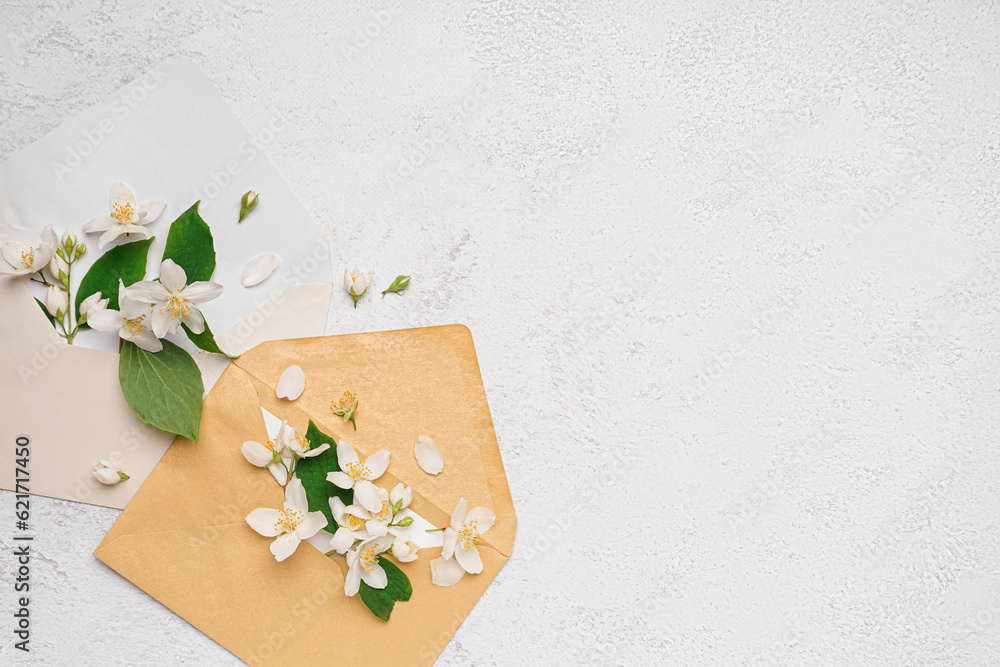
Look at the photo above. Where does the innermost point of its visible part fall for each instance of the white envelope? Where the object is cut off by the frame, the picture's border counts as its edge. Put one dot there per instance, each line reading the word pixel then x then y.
pixel 169 135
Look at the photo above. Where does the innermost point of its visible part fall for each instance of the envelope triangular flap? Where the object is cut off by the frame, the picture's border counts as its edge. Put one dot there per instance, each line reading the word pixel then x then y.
pixel 184 541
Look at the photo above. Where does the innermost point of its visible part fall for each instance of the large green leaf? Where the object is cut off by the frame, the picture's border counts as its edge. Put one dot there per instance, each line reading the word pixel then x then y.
pixel 190 245
pixel 205 340
pixel 126 262
pixel 380 601
pixel 312 471
pixel 163 389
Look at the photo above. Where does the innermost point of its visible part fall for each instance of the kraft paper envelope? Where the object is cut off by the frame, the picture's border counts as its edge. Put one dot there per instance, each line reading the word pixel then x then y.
pixel 169 135
pixel 183 538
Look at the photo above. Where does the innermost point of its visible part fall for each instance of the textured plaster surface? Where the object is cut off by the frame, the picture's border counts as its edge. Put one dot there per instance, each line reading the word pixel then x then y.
pixel 731 269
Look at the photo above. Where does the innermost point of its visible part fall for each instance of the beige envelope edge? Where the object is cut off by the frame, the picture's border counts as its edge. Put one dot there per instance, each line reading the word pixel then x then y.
pixel 183 539
pixel 66 398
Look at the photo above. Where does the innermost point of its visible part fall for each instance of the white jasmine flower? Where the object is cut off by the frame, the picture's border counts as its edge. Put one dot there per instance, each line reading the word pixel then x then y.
pixel 352 521
pixel 56 302
pixel 363 564
pixel 429 457
pixel 290 525
pixel 92 305
pixel 59 268
pixel 358 474
pixel 346 408
pixel 106 472
pixel 125 217
pixel 291 384
pixel 402 548
pixel 132 321
pixel 27 259
pixel 465 531
pixel 400 497
pixel 357 283
pixel 173 299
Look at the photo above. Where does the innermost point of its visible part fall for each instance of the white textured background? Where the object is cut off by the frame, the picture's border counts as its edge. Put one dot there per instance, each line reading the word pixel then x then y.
pixel 731 269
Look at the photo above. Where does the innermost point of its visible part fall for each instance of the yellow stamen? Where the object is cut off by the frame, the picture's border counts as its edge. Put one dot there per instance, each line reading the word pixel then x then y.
pixel 28 258
pixel 469 535
pixel 176 306
pixel 368 558
pixel 288 521
pixel 354 522
pixel 136 325
pixel 358 470
pixel 122 214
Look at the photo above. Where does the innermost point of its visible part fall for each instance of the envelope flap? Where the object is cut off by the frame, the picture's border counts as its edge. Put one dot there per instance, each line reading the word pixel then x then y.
pixel 409 383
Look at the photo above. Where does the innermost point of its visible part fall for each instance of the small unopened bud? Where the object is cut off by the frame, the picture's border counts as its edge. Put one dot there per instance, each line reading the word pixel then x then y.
pixel 247 204
pixel 69 239
pixel 406 522
pixel 80 249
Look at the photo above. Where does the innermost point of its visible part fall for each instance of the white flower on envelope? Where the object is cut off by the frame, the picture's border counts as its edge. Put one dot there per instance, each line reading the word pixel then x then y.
pixel 173 299
pixel 358 474
pixel 33 258
pixel 131 321
pixel 125 217
pixel 289 525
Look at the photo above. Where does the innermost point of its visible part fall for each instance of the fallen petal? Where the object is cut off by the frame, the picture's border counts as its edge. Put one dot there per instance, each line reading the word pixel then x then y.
pixel 428 456
pixel 291 384
pixel 446 571
pixel 259 269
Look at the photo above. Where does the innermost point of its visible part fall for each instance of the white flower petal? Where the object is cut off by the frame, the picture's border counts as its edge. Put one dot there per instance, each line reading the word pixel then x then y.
pixel 311 524
pixel 172 276
pixel 353 580
pixel 284 546
pixel 259 269
pixel 346 455
pixel 278 472
pixel 161 322
pixel 469 560
pixel 446 571
pixel 292 383
pixel 429 457
pixel 366 494
pixel 377 463
pixel 148 341
pixel 194 319
pixel 295 496
pixel 265 521
pixel 202 291
pixel 121 195
pixel 147 291
pixel 257 454
pixel 340 479
pixel 109 236
pixel 376 577
pixel 377 528
pixel 458 516
pixel 101 223
pixel 449 543
pixel 151 210
pixel 342 541
pixel 482 517
pixel 316 452
pixel 106 320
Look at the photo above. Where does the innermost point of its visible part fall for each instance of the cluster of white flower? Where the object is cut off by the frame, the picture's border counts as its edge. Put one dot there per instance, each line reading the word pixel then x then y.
pixel 371 526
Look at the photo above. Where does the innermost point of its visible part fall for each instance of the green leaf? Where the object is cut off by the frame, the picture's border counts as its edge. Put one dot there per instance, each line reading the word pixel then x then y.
pixel 205 340
pixel 312 471
pixel 163 389
pixel 190 245
pixel 400 283
pixel 126 262
pixel 247 203
pixel 45 310
pixel 381 601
